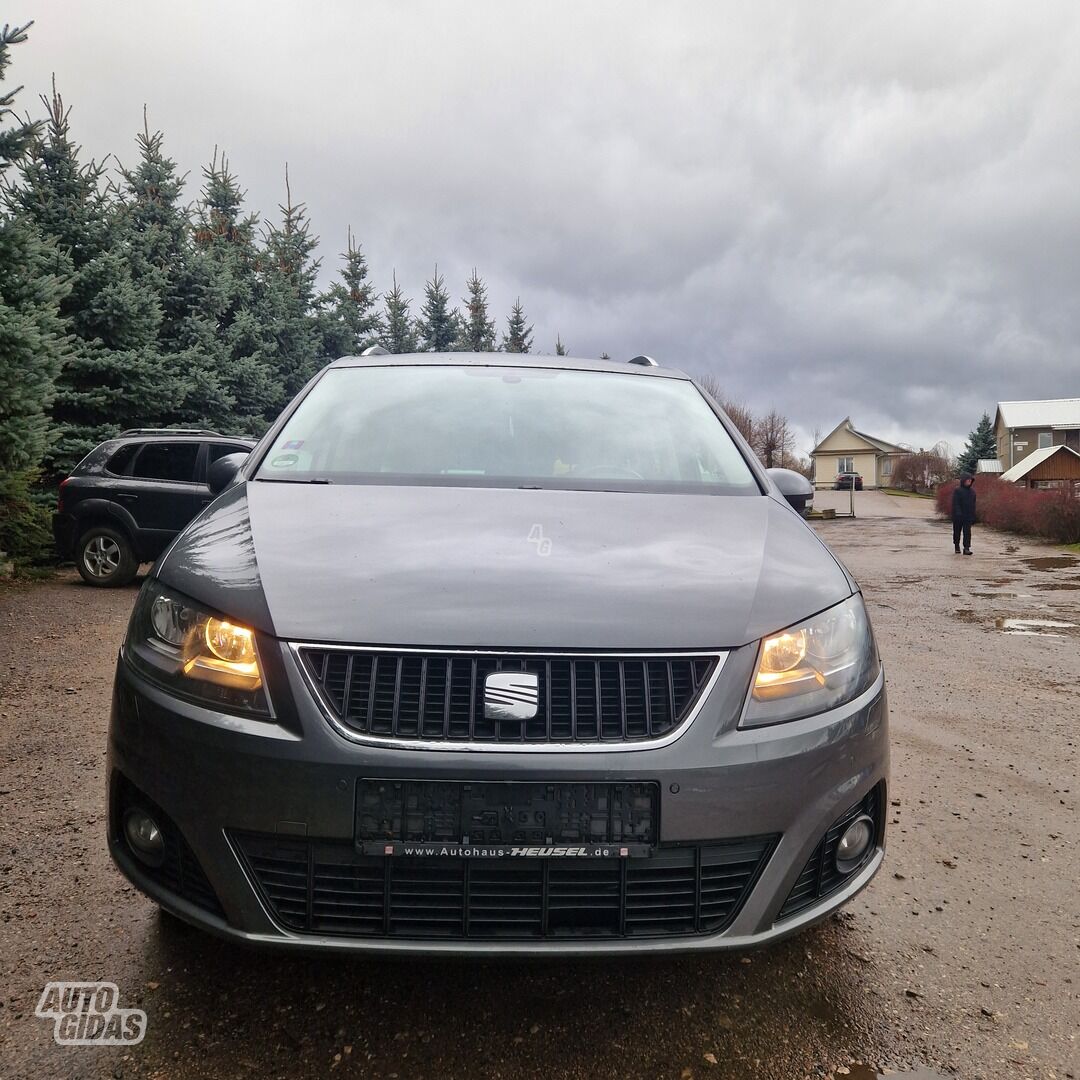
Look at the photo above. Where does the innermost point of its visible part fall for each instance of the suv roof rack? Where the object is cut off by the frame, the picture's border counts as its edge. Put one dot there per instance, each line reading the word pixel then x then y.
pixel 644 361
pixel 168 431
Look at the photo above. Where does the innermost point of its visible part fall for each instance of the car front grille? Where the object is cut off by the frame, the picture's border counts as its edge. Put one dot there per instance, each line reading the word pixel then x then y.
pixel 327 887
pixel 439 697
pixel 820 876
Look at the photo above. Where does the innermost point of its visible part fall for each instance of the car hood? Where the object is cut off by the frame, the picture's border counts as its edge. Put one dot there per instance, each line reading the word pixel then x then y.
pixel 507 568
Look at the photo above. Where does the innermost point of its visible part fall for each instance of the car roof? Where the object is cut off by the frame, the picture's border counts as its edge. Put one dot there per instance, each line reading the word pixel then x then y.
pixel 513 360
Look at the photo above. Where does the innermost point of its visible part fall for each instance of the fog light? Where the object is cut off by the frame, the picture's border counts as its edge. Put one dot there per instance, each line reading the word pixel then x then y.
pixel 854 843
pixel 144 837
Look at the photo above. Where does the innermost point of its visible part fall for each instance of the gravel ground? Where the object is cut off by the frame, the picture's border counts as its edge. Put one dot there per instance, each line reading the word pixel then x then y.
pixel 962 957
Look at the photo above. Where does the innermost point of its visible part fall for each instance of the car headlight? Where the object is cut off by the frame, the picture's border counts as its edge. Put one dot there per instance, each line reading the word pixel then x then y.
pixel 178 644
pixel 813 666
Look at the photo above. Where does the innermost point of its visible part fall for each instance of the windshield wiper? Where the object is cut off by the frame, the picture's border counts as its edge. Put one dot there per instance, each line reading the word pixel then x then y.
pixel 286 480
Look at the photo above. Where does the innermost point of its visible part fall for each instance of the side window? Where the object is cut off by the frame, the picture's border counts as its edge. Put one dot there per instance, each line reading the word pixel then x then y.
pixel 1046 438
pixel 845 464
pixel 121 459
pixel 167 461
pixel 217 450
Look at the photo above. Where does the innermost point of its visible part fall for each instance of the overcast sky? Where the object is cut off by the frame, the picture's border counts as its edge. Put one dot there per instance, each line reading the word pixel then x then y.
pixel 835 208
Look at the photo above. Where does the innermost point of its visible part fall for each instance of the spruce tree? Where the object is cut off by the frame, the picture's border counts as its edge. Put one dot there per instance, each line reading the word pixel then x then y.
pixel 438 322
pixel 560 348
pixel 32 332
pixel 114 376
pixel 348 318
pixel 33 342
pixel 399 333
pixel 225 239
pixel 477 331
pixel 288 277
pixel 518 336
pixel 157 234
pixel 982 443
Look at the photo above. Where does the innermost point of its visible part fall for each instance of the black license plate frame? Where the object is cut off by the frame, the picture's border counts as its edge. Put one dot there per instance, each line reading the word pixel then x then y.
pixel 506 818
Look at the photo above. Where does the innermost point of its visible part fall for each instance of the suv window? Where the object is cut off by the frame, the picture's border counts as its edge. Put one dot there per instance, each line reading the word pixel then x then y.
pixel 217 450
pixel 167 461
pixel 121 459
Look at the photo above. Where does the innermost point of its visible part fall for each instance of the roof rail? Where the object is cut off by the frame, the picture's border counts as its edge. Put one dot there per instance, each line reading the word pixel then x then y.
pixel 169 431
pixel 644 361
pixel 375 350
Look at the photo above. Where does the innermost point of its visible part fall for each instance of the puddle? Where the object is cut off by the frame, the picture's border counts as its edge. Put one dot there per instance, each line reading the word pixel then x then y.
pixel 1052 562
pixel 1033 627
pixel 864 1072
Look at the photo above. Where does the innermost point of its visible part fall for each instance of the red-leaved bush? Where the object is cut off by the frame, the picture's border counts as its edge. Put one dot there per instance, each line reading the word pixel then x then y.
pixel 1053 515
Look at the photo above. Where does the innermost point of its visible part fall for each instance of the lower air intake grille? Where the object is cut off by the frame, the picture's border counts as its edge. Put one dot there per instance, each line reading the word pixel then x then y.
pixel 440 697
pixel 820 876
pixel 327 887
pixel 179 871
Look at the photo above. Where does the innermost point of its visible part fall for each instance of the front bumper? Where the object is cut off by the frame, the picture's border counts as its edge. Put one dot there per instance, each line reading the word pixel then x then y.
pixel 219 778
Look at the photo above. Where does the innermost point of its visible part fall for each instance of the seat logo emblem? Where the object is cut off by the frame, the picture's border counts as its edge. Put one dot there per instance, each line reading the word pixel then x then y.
pixel 511 695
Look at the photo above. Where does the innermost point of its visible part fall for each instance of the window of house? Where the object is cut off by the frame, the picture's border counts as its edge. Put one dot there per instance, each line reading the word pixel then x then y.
pixel 886 466
pixel 845 464
pixel 1046 438
pixel 1048 485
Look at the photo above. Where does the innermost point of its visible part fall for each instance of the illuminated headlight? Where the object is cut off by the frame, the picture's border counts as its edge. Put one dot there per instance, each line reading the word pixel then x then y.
pixel 195 652
pixel 814 666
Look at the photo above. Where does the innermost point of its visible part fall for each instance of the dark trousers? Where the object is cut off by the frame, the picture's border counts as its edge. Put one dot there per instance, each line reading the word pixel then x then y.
pixel 959 527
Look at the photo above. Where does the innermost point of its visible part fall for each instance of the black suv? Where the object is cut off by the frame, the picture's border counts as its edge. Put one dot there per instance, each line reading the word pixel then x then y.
pixel 131 495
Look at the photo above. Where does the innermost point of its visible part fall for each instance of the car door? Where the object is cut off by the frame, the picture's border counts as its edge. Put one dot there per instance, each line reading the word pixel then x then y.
pixel 160 491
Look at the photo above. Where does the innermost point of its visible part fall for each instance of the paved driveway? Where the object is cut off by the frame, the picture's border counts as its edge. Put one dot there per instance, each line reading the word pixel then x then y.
pixel 875 504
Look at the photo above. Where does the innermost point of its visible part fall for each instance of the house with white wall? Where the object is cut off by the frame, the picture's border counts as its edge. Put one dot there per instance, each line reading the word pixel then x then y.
pixel 845 449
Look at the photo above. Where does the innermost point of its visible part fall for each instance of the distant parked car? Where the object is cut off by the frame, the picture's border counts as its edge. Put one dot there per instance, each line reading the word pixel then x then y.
pixel 131 495
pixel 846 480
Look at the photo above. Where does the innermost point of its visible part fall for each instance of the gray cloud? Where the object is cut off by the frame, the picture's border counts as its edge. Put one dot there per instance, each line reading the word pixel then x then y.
pixel 864 209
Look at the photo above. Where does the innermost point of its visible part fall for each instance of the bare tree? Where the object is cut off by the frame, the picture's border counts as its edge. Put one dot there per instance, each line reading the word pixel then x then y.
pixel 772 440
pixel 711 385
pixel 921 470
pixel 742 418
pixel 739 414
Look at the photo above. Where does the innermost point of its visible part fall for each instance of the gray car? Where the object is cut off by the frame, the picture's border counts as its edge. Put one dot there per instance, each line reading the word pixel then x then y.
pixel 499 655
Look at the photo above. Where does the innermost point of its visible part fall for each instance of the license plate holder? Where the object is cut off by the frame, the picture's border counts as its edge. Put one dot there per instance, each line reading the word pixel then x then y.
pixel 506 819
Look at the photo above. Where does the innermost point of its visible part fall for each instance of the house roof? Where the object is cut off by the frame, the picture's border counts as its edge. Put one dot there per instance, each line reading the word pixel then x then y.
pixel 1036 457
pixel 878 444
pixel 1052 413
pixel 988 465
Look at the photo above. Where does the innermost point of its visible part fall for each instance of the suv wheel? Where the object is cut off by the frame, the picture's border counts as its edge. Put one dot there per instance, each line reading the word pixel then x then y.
pixel 104 557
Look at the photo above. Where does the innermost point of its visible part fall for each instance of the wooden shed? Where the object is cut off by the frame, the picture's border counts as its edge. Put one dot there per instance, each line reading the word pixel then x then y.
pixel 1048 468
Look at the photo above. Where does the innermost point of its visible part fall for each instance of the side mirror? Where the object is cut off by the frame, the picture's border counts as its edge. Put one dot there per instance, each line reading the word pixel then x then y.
pixel 793 486
pixel 223 472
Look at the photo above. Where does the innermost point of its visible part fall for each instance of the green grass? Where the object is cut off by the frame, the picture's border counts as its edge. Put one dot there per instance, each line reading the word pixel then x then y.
pixel 1073 547
pixel 907 494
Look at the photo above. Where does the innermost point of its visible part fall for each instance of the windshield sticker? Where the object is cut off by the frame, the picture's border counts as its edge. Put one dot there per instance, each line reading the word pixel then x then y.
pixel 292 444
pixel 285 461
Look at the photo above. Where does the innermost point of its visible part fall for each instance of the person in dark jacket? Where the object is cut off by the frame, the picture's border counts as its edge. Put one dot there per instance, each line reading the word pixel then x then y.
pixel 963 512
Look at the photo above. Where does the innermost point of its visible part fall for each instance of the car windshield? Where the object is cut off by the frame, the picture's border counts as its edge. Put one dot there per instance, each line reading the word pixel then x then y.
pixel 507 427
